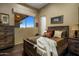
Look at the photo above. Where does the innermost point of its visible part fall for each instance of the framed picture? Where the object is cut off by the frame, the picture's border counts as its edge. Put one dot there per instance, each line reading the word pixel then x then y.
pixel 57 20
pixel 4 18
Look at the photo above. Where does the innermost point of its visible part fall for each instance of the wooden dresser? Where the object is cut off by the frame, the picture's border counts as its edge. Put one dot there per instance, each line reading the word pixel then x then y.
pixel 73 45
pixel 6 36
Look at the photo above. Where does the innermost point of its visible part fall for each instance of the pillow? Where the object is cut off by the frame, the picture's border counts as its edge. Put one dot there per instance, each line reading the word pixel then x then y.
pixel 58 34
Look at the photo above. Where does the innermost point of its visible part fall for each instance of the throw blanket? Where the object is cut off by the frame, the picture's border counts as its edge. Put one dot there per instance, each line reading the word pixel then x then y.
pixel 46 47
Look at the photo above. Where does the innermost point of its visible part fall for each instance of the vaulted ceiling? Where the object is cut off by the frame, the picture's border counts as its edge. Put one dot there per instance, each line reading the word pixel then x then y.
pixel 37 6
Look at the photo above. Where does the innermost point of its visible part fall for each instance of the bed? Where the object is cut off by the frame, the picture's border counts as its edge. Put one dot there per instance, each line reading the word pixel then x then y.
pixel 62 44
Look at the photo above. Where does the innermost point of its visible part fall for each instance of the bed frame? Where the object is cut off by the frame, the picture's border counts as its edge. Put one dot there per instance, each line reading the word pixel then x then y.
pixel 66 28
pixel 31 51
pixel 64 44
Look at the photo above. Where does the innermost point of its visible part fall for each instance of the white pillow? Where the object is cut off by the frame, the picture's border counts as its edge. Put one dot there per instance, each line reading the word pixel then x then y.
pixel 58 34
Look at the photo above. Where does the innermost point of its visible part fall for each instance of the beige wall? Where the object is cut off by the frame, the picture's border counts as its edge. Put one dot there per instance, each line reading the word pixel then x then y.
pixel 70 12
pixel 7 8
pixel 20 34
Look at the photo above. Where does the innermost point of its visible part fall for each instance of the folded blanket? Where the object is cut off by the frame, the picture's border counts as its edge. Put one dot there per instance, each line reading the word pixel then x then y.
pixel 41 51
pixel 46 46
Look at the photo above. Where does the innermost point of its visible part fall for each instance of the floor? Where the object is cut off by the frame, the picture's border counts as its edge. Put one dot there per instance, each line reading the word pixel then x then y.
pixel 15 51
pixel 18 51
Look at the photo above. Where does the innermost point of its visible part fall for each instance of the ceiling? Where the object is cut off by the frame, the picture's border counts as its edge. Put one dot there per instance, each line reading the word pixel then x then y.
pixel 37 5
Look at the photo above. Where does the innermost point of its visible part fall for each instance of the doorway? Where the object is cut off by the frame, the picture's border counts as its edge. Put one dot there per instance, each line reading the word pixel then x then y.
pixel 43 24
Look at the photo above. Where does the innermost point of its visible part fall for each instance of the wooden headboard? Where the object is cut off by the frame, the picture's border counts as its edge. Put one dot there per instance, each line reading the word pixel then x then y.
pixel 66 28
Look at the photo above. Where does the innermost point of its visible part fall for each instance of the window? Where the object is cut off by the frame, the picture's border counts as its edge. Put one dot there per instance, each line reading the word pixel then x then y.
pixel 27 22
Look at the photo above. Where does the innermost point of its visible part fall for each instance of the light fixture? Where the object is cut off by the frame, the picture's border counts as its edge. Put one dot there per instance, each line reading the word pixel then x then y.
pixel 18 16
pixel 75 27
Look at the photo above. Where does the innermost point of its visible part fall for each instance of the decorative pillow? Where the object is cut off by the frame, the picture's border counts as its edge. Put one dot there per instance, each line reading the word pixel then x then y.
pixel 58 34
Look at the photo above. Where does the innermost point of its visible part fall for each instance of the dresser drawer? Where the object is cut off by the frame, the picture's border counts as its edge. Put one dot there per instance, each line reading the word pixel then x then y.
pixel 2 28
pixel 2 44
pixel 6 36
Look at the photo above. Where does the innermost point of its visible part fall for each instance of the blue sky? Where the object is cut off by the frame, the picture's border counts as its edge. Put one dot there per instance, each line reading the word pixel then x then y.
pixel 28 22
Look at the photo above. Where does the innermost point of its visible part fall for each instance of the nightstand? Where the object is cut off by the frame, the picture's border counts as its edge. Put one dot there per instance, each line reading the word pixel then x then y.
pixel 73 45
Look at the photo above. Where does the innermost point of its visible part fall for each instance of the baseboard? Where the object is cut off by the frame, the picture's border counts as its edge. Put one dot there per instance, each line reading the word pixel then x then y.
pixel 18 43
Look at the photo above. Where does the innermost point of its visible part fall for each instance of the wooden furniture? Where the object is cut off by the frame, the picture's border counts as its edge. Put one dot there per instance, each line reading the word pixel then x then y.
pixel 73 45
pixel 29 43
pixel 61 28
pixel 6 36
pixel 29 48
pixel 62 45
